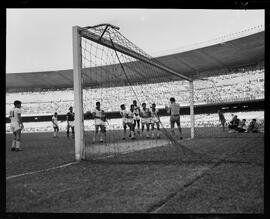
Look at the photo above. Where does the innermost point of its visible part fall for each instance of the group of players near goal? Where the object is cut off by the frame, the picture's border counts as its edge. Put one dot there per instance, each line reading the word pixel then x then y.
pixel 142 118
pixel 131 118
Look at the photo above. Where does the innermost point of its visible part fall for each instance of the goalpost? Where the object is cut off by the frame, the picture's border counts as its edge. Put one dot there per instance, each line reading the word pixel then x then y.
pixel 127 49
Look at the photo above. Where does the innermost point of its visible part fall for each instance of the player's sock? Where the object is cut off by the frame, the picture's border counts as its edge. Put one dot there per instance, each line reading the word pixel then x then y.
pixel 18 145
pixel 153 134
pixel 13 146
pixel 132 135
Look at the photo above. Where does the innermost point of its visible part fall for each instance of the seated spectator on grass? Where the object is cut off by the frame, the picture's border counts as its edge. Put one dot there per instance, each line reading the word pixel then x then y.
pixel 242 126
pixel 253 126
pixel 233 125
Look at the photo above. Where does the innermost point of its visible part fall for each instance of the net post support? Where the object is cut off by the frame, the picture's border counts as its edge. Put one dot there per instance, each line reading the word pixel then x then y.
pixel 192 120
pixel 77 85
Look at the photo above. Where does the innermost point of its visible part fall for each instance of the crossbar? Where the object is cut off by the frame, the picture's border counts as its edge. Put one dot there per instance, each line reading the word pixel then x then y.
pixel 105 42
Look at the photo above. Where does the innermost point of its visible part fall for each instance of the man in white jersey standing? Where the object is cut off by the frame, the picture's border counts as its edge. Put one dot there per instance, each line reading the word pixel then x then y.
pixel 16 125
pixel 155 120
pixel 145 119
pixel 130 121
pixel 55 125
pixel 99 117
pixel 124 114
pixel 137 116
pixel 174 111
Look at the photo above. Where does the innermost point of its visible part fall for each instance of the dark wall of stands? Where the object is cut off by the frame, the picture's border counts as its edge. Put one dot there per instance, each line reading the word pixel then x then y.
pixel 243 106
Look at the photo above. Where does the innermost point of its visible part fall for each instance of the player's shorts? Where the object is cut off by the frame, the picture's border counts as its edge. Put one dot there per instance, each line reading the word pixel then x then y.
pixel 175 119
pixel 145 120
pixel 99 122
pixel 55 126
pixel 137 117
pixel 71 123
pixel 154 120
pixel 129 121
pixel 124 121
pixel 15 127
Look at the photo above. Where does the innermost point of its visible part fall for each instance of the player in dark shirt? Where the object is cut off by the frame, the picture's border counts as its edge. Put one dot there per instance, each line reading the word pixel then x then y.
pixel 70 121
pixel 222 119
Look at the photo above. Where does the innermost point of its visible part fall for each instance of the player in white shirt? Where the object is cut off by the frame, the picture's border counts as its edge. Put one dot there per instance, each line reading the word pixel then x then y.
pixel 137 116
pixel 55 125
pixel 174 111
pixel 130 121
pixel 145 119
pixel 155 120
pixel 124 114
pixel 100 119
pixel 16 125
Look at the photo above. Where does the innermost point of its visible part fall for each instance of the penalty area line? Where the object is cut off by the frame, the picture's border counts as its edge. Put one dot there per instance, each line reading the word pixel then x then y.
pixel 39 171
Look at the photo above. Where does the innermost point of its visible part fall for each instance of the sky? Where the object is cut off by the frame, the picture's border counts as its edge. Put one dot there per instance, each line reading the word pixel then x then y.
pixel 41 39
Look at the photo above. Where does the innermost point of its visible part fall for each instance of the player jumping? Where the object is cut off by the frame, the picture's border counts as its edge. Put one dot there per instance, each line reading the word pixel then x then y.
pixel 16 125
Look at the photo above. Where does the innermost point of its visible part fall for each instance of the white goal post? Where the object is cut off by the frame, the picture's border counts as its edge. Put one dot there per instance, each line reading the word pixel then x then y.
pixel 77 34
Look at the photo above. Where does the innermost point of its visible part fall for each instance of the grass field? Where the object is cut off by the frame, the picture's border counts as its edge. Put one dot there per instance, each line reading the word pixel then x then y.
pixel 39 181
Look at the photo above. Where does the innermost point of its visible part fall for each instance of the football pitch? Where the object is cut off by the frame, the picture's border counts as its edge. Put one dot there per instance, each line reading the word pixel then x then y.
pixel 44 178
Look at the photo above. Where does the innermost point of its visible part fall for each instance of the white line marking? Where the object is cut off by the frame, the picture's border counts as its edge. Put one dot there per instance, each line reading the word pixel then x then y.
pixel 39 171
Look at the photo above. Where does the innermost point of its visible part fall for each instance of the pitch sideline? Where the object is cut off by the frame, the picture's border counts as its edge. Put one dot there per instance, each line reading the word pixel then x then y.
pixel 39 171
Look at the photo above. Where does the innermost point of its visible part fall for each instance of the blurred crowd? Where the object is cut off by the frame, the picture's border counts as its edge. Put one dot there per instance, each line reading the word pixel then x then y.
pixel 243 84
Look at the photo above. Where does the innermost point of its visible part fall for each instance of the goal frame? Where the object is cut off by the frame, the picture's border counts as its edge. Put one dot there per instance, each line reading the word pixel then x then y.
pixel 77 34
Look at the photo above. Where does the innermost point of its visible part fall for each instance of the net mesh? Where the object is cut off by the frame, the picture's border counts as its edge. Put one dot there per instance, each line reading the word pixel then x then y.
pixel 114 78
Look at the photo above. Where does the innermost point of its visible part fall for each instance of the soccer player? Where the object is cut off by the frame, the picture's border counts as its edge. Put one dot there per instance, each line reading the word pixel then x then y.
pixel 16 125
pixel 100 119
pixel 130 121
pixel 55 125
pixel 70 121
pixel 145 119
pixel 124 114
pixel 174 111
pixel 154 120
pixel 137 116
pixel 222 119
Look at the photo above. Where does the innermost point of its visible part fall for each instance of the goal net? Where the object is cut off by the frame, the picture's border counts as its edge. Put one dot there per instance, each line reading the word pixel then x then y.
pixel 112 71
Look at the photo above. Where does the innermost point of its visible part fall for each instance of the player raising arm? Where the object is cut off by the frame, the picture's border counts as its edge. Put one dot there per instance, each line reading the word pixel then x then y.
pixel 16 125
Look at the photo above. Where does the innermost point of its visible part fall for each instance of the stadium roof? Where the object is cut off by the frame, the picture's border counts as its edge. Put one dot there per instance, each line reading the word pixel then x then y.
pixel 209 59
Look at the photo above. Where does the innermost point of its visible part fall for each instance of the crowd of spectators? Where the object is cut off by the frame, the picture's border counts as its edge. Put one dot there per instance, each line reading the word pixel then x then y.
pixel 244 84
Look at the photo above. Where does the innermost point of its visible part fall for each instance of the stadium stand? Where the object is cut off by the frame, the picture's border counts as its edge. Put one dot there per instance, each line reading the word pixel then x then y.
pixel 246 84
